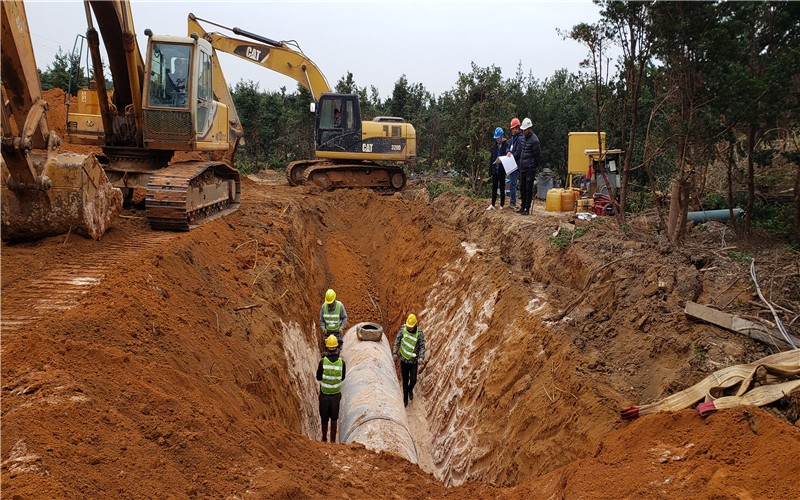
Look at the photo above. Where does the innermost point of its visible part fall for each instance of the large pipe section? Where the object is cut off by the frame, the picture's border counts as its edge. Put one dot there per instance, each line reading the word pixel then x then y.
pixel 371 411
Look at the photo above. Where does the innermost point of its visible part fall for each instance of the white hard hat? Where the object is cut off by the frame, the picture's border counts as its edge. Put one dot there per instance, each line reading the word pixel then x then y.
pixel 526 124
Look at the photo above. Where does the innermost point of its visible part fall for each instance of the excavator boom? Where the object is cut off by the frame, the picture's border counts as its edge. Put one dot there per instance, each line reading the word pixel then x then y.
pixel 47 192
pixel 271 54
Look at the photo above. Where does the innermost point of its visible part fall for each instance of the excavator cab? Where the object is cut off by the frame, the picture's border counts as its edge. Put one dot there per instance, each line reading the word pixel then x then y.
pixel 338 123
pixel 179 110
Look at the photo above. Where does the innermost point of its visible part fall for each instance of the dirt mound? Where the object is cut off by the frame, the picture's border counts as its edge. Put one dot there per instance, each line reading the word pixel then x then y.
pixel 731 454
pixel 172 374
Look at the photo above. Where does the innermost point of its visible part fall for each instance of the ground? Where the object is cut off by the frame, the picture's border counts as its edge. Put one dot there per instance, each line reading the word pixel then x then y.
pixel 181 364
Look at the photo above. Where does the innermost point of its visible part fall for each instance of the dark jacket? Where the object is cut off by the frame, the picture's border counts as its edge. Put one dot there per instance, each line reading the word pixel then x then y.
pixel 531 157
pixel 497 150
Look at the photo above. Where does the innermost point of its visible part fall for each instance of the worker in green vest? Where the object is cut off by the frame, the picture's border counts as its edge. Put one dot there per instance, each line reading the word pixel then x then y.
pixel 332 317
pixel 330 373
pixel 410 342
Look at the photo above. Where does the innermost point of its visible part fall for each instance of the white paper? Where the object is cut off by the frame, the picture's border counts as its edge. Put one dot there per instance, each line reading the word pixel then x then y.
pixel 509 164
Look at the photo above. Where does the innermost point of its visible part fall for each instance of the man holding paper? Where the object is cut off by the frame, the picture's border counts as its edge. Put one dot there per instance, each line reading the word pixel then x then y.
pixel 496 168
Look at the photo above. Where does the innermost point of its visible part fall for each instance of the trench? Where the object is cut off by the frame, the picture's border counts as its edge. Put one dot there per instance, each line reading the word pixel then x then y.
pixel 213 333
pixel 475 334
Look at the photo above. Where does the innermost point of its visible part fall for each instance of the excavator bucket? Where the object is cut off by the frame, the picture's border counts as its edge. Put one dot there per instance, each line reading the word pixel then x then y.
pixel 77 199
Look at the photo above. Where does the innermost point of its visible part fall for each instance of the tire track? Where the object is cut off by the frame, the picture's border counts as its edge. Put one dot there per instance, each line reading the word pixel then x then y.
pixel 61 287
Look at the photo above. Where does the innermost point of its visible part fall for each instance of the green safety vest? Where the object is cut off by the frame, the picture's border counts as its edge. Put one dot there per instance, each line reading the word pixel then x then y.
pixel 332 319
pixel 331 376
pixel 408 345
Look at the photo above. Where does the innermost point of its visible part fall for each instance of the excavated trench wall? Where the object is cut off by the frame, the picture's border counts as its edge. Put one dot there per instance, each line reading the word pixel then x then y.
pixel 484 334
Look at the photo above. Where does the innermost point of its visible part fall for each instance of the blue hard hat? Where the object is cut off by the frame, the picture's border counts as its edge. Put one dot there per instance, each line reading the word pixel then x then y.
pixel 498 132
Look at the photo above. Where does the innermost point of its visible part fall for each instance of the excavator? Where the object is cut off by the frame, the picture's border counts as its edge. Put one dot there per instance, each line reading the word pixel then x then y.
pixel 347 149
pixel 171 101
pixel 45 191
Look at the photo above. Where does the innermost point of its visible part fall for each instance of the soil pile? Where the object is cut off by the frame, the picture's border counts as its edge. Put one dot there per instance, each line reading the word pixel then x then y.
pixel 172 373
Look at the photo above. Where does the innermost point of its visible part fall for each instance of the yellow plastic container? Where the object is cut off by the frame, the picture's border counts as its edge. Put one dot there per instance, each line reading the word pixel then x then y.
pixel 553 201
pixel 583 205
pixel 567 200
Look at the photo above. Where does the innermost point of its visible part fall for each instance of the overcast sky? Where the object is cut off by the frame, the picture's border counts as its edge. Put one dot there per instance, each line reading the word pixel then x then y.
pixel 430 42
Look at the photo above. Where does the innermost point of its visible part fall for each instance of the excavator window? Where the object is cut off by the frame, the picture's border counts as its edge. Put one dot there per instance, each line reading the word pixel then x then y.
pixel 205 94
pixel 169 74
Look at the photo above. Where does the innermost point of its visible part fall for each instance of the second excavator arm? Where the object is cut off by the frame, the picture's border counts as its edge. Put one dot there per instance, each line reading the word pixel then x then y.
pixel 271 54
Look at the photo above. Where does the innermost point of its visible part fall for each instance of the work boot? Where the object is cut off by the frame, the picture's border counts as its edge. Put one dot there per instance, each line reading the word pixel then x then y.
pixel 521 211
pixel 333 431
pixel 405 399
pixel 411 394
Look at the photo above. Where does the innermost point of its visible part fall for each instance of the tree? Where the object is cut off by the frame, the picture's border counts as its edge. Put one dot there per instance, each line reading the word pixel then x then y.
pixel 628 25
pixel 57 74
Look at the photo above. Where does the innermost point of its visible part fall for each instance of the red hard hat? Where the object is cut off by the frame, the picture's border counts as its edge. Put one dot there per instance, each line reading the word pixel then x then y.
pixel 514 122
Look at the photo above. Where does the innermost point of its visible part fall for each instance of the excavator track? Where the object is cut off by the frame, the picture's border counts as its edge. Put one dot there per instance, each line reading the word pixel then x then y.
pixel 330 176
pixel 60 287
pixel 295 170
pixel 185 195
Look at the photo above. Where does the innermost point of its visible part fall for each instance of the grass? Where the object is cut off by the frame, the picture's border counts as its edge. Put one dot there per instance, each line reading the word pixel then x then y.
pixel 700 352
pixel 741 257
pixel 565 237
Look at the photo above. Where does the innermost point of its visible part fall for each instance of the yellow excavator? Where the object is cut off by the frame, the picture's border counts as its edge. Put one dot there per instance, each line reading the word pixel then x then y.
pixel 45 192
pixel 347 148
pixel 171 101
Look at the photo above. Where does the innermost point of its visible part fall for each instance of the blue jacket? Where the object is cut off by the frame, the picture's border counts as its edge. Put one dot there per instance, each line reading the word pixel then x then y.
pixel 516 147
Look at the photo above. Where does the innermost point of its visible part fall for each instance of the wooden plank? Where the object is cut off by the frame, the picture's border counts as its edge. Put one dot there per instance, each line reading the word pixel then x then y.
pixel 739 325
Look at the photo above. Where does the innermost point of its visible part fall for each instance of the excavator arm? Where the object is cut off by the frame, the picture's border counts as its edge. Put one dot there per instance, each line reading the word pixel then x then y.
pixel 122 114
pixel 273 55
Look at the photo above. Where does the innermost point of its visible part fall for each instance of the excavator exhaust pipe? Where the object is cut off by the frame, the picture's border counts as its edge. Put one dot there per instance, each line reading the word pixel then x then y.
pixel 79 199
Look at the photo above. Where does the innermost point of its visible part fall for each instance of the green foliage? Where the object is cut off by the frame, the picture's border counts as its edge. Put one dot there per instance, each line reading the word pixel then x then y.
pixel 57 74
pixel 565 237
pixel 700 352
pixel 457 186
pixel 740 257
pixel 774 218
pixel 706 73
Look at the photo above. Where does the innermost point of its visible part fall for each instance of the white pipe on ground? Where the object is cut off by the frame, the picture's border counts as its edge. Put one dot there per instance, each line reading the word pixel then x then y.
pixel 371 411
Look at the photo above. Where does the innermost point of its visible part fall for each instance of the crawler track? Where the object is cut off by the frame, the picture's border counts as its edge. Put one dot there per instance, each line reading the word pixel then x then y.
pixel 361 175
pixel 61 287
pixel 184 195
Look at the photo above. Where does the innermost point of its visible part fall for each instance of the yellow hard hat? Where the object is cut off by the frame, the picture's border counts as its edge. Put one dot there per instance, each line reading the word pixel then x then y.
pixel 330 296
pixel 331 341
pixel 411 322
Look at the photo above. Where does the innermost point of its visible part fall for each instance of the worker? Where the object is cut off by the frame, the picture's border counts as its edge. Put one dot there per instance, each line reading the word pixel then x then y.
pixel 411 343
pixel 496 170
pixel 515 150
pixel 530 162
pixel 337 119
pixel 330 373
pixel 332 316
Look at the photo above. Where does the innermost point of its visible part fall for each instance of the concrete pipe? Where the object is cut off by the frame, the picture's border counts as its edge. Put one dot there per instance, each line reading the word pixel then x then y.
pixel 372 411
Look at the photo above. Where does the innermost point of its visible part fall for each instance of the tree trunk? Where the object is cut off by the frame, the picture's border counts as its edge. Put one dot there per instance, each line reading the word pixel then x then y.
pixel 751 189
pixel 678 209
pixel 797 203
pixel 674 208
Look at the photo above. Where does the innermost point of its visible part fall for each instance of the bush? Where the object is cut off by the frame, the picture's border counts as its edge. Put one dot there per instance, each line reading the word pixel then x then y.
pixel 565 237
